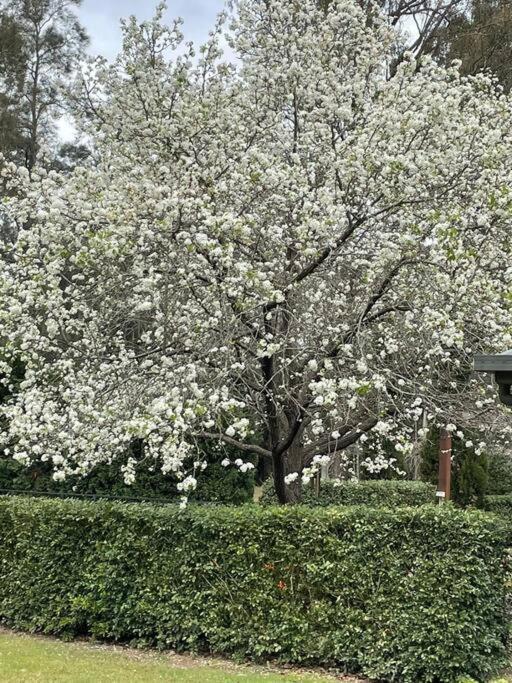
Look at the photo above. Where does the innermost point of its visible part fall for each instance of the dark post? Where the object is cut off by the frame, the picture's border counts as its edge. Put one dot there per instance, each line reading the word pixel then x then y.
pixel 317 484
pixel 445 466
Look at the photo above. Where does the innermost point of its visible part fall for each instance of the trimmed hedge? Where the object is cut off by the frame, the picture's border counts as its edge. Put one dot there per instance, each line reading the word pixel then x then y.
pixel 412 594
pixel 377 493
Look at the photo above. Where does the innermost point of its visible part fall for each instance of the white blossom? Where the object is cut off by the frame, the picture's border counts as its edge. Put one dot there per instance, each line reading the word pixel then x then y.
pixel 289 244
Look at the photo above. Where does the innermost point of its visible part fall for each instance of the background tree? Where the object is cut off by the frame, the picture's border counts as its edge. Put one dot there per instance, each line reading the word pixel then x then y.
pixel 418 23
pixel 13 65
pixel 293 245
pixel 41 43
pixel 480 36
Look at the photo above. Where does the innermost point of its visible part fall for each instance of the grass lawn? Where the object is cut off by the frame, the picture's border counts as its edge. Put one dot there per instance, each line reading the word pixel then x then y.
pixel 35 659
pixel 29 659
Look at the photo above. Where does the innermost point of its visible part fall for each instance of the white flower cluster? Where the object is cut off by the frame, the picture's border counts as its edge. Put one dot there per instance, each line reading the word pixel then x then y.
pixel 290 245
pixel 317 463
pixel 239 463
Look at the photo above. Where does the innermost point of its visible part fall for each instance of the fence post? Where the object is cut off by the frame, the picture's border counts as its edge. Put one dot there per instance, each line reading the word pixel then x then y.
pixel 445 466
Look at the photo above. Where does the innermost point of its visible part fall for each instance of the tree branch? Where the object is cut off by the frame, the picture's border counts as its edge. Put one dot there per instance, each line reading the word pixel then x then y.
pixel 352 434
pixel 247 447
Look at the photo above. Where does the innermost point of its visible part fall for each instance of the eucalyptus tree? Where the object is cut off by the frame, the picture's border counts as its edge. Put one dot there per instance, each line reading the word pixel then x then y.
pixel 480 36
pixel 12 73
pixel 286 254
pixel 41 43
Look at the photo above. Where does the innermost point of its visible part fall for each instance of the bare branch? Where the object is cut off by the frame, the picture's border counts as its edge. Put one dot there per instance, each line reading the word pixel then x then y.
pixel 247 447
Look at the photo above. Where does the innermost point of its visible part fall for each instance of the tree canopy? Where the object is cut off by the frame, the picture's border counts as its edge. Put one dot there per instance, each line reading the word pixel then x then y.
pixel 282 254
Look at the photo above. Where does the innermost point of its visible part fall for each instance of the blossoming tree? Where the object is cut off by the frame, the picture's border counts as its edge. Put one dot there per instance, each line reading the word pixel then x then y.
pixel 283 253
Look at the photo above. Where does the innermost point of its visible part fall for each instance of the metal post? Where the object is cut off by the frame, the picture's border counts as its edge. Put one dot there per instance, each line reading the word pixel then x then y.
pixel 445 466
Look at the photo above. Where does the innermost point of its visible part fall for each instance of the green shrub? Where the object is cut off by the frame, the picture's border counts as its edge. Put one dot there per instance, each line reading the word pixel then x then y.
pixel 216 484
pixel 500 474
pixel 412 594
pixel 375 493
pixel 500 505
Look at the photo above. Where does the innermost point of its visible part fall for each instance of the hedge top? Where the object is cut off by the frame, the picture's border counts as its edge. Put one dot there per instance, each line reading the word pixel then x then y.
pixel 332 513
pixel 385 493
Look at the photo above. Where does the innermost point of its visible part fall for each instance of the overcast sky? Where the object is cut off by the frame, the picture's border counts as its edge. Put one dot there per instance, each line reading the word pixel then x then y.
pixel 101 19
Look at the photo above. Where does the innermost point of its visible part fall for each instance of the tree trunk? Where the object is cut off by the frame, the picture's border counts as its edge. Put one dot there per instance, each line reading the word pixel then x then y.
pixel 279 475
pixel 287 463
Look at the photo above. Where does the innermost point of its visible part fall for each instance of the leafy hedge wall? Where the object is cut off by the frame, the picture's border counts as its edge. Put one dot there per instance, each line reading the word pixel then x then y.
pixel 412 594
pixel 386 493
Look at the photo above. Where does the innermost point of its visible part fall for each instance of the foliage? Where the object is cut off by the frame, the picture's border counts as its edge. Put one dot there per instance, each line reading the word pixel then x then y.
pixel 9 383
pixel 500 473
pixel 218 484
pixel 386 493
pixel 499 504
pixel 470 481
pixel 413 594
